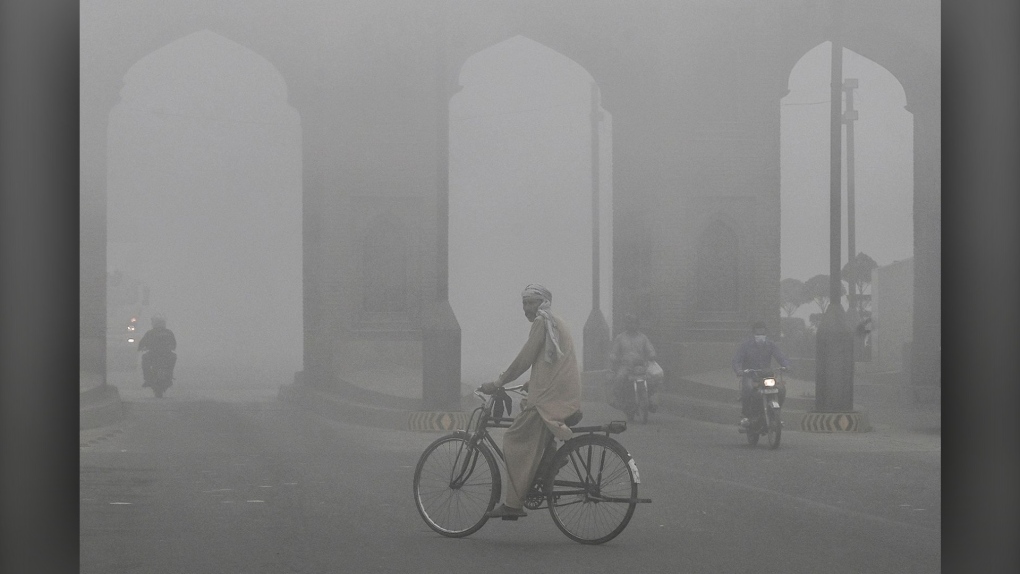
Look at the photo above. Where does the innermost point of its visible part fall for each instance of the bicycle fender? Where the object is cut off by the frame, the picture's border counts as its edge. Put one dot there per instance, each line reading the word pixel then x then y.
pixel 633 468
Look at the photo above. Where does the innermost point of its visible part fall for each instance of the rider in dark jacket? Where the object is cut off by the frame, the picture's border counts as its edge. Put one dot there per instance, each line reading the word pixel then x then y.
pixel 157 341
pixel 756 353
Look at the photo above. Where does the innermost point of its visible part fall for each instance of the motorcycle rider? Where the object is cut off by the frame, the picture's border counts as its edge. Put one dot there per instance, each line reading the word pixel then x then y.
pixel 157 341
pixel 756 352
pixel 631 350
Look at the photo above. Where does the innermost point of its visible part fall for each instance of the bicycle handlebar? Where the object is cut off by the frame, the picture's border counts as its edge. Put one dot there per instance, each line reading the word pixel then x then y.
pixel 484 397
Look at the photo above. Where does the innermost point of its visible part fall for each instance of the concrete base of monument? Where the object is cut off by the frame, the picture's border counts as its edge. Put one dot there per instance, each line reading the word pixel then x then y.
pixel 853 421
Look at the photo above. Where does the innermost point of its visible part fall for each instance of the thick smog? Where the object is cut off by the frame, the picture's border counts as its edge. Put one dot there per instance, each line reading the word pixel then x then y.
pixel 336 233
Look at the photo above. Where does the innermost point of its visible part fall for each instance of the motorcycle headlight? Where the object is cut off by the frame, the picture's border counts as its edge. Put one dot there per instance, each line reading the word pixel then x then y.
pixel 769 382
pixel 131 340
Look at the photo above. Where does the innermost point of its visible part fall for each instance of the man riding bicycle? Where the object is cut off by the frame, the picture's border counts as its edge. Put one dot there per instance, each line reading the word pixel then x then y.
pixel 554 394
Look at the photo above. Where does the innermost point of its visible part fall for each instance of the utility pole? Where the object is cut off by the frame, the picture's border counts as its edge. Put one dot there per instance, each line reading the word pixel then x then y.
pixel 834 354
pixel 849 116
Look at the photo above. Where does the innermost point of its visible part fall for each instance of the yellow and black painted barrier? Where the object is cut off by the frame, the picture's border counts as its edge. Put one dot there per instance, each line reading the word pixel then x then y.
pixel 835 422
pixel 437 421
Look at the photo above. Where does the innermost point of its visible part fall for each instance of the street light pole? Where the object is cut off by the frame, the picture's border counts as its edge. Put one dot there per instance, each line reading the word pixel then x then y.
pixel 834 360
pixel 849 116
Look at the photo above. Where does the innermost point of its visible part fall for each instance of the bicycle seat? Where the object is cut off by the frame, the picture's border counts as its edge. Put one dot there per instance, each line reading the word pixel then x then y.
pixel 573 419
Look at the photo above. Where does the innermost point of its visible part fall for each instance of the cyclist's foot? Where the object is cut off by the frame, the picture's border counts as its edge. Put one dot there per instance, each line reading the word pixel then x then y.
pixel 745 422
pixel 506 512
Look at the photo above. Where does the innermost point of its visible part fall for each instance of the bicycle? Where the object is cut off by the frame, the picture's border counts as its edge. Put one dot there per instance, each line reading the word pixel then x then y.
pixel 589 484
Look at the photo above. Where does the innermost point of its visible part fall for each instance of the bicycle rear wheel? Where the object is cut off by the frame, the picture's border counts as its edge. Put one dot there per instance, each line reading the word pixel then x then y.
pixel 455 485
pixel 592 489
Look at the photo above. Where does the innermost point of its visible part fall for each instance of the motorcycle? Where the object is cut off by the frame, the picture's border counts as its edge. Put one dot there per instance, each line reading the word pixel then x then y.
pixel 635 395
pixel 766 419
pixel 161 371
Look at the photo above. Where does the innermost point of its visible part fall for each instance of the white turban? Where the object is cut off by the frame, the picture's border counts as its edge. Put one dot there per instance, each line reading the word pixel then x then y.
pixel 552 350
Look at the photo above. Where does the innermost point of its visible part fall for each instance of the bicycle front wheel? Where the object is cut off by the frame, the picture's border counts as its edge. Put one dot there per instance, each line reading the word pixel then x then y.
pixel 592 489
pixel 455 484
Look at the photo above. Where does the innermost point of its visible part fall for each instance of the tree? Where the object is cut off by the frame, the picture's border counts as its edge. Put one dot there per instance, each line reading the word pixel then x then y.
pixel 791 295
pixel 817 290
pixel 815 319
pixel 857 274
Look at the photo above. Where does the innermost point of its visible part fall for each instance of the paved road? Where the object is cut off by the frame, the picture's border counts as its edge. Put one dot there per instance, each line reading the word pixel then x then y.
pixel 234 481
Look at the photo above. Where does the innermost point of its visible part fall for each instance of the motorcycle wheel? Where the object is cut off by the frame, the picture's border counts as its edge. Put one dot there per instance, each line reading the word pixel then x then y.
pixel 775 427
pixel 753 433
pixel 642 401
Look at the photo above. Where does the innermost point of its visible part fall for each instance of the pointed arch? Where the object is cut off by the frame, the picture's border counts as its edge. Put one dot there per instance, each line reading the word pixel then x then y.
pixel 883 158
pixel 204 153
pixel 521 177
pixel 207 75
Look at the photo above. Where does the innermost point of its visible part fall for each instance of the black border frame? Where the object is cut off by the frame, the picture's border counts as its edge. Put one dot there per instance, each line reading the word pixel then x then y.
pixel 38 225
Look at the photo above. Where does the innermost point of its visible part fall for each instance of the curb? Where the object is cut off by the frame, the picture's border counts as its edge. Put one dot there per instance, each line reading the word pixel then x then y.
pixel 835 422
pixel 337 408
pixel 690 400
pixel 725 413
pixel 687 388
pixel 340 408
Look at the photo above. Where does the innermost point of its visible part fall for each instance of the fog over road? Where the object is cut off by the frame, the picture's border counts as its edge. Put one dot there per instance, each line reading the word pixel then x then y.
pixel 225 478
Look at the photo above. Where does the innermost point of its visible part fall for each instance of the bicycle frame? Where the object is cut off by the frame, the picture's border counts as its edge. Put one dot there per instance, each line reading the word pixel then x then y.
pixel 480 433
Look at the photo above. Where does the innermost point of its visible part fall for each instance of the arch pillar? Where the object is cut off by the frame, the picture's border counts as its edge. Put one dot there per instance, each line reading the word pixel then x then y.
pixel 441 336
pixel 926 349
pixel 316 355
pixel 98 97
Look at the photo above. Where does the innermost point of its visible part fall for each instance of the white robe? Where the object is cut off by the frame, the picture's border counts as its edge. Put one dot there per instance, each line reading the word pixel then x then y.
pixel 554 393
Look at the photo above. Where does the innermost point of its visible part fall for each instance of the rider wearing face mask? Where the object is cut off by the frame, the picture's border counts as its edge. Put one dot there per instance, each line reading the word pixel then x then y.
pixel 756 353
